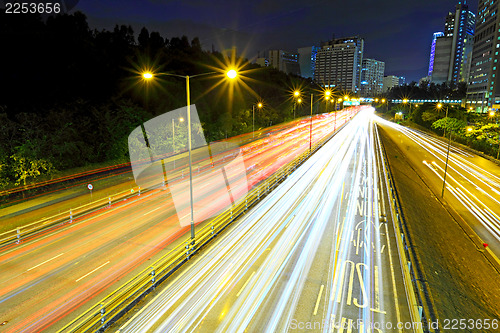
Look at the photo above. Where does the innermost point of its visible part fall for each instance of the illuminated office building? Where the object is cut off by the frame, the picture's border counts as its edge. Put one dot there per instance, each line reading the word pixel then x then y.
pixel 484 90
pixel 433 51
pixel 452 51
pixel 338 64
pixel 372 77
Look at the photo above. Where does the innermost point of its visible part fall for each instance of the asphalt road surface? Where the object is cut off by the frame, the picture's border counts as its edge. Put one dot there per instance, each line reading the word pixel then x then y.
pixel 49 278
pixel 313 255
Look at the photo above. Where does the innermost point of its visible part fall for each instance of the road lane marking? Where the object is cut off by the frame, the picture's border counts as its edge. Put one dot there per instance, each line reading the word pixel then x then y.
pixel 92 271
pixel 289 222
pixel 398 316
pixel 319 299
pixel 377 293
pixel 151 211
pixel 46 261
pixel 241 290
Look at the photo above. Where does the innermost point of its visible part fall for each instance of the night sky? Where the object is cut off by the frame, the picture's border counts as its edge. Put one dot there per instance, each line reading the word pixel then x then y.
pixel 398 32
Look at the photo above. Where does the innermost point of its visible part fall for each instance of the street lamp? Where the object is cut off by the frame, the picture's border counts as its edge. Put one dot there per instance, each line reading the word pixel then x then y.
pixel 231 74
pixel 259 105
pixel 296 96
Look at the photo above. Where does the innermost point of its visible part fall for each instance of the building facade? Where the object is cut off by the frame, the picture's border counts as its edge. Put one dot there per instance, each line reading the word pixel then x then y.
pixel 284 61
pixel 452 52
pixel 433 50
pixel 307 61
pixel 484 90
pixel 389 82
pixel 372 77
pixel 338 64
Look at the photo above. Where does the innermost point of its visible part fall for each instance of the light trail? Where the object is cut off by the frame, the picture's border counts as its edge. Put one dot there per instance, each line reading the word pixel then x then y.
pixel 262 275
pixel 473 188
pixel 123 235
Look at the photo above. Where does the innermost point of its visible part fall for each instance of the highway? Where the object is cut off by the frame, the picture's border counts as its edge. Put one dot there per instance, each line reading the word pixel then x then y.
pixel 49 278
pixel 472 182
pixel 314 254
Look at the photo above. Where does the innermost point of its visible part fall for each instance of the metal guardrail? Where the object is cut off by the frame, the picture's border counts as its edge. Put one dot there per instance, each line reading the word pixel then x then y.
pixel 104 313
pixel 420 312
pixel 19 233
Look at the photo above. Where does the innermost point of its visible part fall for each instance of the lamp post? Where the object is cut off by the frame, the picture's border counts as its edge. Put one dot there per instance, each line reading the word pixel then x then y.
pixel 407 101
pixel 259 105
pixel 231 74
pixel 446 165
pixel 439 106
pixel 311 125
pixel 296 96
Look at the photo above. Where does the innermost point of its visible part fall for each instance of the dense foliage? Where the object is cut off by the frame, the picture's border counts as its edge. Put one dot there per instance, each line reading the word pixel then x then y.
pixel 479 131
pixel 72 95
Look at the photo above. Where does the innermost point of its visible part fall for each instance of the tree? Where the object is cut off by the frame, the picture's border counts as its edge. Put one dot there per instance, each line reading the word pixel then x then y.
pixel 143 38
pixel 489 133
pixel 449 124
pixel 25 168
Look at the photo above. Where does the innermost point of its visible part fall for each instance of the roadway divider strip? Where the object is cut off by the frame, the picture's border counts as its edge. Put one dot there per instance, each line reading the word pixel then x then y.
pixel 104 313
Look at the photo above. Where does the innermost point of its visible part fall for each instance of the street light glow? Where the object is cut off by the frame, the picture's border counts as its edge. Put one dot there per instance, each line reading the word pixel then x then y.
pixel 147 75
pixel 299 100
pixel 231 74
pixel 181 119
pixel 346 97
pixel 405 100
pixel 259 105
pixel 492 113
pixel 439 106
pixel 383 100
pixel 469 129
pixel 296 93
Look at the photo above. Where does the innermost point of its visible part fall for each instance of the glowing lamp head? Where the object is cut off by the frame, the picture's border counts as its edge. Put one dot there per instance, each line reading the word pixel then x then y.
pixel 181 119
pixel 469 129
pixel 296 93
pixel 259 105
pixel 346 97
pixel 147 75
pixel 328 93
pixel 492 113
pixel 383 100
pixel 231 74
pixel 439 106
pixel 299 100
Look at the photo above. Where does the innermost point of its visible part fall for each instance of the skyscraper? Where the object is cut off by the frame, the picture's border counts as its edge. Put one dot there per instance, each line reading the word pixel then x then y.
pixel 433 50
pixel 372 77
pixel 338 63
pixel 452 50
pixel 484 90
